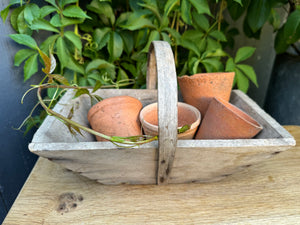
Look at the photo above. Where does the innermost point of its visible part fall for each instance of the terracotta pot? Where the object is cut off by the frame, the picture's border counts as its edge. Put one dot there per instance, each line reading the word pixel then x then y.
pixel 116 116
pixel 225 121
pixel 187 115
pixel 199 89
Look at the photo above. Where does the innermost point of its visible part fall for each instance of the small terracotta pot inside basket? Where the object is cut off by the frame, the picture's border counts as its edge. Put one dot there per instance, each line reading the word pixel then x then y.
pixel 116 116
pixel 223 120
pixel 187 115
pixel 199 89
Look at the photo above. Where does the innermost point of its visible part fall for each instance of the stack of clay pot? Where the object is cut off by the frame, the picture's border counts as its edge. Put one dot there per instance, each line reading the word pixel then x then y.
pixel 210 93
pixel 206 97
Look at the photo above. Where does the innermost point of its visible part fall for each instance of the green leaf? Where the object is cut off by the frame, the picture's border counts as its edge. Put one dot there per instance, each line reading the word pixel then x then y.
pixel 243 54
pixel 239 2
pixel 248 31
pixel 218 35
pixel 185 11
pixel 241 80
pixel 195 67
pixel 75 12
pixel 24 39
pixel 56 21
pixel 122 75
pixel 46 10
pixel 99 64
pixel 230 65
pixel 31 66
pixel 174 34
pixel 23 54
pixel 200 21
pixel 115 46
pixel 212 64
pixel 14 17
pixel 212 44
pixel 130 68
pixel 74 65
pixel 170 4
pixel 31 12
pixel 74 38
pixel 152 6
pixel 201 6
pixel 280 43
pixel 258 13
pixel 4 13
pixel 81 91
pixel 249 72
pixel 154 35
pixel 128 42
pixel 52 2
pixel 165 37
pixel 101 37
pixel 66 2
pixel 61 79
pixel 292 27
pixel 183 129
pixel 104 10
pixel 49 43
pixel 191 46
pixel 235 9
pixel 216 53
pixel 42 24
pixel 275 19
pixel 97 86
pixel 137 24
pixel 22 25
pixel 62 52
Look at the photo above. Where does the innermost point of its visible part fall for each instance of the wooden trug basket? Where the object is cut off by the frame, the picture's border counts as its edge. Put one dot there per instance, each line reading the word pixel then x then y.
pixel 167 160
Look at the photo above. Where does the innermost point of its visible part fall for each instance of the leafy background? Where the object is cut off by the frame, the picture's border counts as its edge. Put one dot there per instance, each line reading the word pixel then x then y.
pixel 102 42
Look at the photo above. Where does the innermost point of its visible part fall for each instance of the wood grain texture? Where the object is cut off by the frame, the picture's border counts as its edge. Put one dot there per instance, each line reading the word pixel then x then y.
pixel 267 193
pixel 194 161
pixel 165 72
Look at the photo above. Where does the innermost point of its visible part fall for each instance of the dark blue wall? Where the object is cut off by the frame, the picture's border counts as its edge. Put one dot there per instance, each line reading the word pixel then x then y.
pixel 16 161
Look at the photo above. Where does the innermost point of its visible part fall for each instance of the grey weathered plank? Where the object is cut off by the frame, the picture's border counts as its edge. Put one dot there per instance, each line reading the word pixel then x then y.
pixel 165 71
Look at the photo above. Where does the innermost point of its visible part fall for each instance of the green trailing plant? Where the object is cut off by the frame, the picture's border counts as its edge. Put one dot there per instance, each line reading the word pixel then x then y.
pixel 103 43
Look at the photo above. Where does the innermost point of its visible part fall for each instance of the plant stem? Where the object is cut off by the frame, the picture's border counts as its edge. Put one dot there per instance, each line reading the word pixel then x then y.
pixel 220 17
pixel 121 140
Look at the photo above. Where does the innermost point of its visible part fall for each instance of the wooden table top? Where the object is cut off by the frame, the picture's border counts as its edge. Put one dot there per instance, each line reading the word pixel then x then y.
pixel 267 193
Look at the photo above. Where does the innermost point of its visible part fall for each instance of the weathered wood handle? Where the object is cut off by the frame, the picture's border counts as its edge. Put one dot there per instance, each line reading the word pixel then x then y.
pixel 161 67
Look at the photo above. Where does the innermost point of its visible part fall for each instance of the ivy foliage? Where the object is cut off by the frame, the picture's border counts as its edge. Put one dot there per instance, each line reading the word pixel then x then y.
pixel 105 42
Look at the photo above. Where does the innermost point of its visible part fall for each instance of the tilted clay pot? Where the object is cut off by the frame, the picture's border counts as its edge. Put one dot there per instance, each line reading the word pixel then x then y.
pixel 225 121
pixel 187 115
pixel 116 116
pixel 199 89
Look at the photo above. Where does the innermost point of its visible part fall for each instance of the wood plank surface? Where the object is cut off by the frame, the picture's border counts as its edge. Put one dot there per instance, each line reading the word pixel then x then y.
pixel 267 193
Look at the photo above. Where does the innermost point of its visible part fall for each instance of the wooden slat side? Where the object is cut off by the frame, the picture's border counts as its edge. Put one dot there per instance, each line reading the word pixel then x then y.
pixel 272 129
pixel 109 166
pixel 48 131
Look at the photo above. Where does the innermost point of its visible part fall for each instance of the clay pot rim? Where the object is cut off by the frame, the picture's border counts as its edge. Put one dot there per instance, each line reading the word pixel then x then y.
pixel 246 118
pixel 197 75
pixel 155 127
